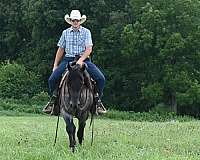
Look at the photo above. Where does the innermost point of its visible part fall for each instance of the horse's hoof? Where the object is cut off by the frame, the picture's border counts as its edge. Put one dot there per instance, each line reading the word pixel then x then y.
pixel 72 149
pixel 81 143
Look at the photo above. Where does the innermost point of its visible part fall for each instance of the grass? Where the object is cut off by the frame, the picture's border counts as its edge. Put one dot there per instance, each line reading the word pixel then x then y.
pixel 13 107
pixel 31 138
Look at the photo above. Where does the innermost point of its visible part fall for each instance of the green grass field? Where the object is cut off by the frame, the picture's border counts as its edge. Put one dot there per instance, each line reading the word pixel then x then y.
pixel 31 138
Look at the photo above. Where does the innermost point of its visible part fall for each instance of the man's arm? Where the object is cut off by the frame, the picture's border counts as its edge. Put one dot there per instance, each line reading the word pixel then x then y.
pixel 59 55
pixel 85 55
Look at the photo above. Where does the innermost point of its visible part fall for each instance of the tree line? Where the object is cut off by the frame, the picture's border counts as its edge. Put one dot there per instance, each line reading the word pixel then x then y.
pixel 149 50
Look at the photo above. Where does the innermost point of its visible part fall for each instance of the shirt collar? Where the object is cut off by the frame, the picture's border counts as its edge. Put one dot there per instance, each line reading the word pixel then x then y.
pixel 70 29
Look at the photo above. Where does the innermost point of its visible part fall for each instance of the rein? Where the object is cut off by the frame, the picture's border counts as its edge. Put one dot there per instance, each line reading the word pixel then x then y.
pixel 56 130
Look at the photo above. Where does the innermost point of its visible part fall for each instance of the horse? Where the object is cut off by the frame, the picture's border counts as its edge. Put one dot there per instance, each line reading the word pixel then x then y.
pixel 76 99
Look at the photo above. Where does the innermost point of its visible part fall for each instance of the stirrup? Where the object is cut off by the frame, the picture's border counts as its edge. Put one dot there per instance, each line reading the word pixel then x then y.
pixel 50 105
pixel 48 108
pixel 55 110
pixel 100 107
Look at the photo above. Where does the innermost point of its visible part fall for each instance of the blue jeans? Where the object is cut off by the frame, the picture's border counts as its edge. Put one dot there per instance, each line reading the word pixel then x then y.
pixel 92 69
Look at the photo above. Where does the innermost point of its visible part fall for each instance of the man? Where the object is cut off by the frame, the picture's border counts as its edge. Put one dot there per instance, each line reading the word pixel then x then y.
pixel 74 41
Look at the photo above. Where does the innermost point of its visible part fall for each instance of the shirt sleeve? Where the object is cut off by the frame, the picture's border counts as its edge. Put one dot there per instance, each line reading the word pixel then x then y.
pixel 62 41
pixel 88 40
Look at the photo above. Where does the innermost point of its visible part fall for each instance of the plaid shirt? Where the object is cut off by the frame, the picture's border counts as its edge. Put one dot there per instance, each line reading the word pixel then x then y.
pixel 75 42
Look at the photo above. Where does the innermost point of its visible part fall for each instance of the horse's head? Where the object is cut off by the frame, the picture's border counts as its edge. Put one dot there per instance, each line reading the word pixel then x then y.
pixel 75 83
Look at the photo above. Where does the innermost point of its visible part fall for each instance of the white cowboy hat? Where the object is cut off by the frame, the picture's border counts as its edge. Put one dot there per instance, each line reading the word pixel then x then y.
pixel 75 14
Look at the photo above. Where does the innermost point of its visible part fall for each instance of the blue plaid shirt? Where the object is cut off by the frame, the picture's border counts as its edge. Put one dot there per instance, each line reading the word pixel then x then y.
pixel 75 42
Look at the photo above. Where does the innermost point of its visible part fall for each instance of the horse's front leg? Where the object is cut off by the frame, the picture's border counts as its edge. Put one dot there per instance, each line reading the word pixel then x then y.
pixel 82 123
pixel 71 130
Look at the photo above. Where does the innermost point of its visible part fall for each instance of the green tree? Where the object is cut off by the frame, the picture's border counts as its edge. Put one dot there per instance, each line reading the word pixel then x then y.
pixel 12 28
pixel 159 47
pixel 17 82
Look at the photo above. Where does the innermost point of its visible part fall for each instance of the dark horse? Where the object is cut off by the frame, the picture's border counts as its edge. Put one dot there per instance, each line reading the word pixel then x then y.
pixel 76 99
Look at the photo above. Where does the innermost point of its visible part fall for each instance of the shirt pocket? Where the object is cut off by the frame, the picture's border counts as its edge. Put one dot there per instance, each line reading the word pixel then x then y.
pixel 81 41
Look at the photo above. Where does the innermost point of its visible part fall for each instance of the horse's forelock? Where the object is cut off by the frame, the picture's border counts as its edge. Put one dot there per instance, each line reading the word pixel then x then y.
pixel 75 78
pixel 75 73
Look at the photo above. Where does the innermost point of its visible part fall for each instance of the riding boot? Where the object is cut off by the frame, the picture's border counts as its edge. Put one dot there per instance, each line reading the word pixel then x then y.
pixel 56 109
pixel 100 109
pixel 50 105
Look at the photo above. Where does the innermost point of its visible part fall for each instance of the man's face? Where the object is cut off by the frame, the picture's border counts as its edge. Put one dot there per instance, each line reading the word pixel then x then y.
pixel 75 23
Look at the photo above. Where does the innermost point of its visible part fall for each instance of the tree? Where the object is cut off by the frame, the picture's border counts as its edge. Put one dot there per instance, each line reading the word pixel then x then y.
pixel 158 43
pixel 11 29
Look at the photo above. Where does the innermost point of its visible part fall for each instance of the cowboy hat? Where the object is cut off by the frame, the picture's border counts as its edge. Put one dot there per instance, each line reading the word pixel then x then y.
pixel 75 14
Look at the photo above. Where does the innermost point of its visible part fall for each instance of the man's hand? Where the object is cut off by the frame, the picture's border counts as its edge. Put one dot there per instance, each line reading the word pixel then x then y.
pixel 80 62
pixel 84 56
